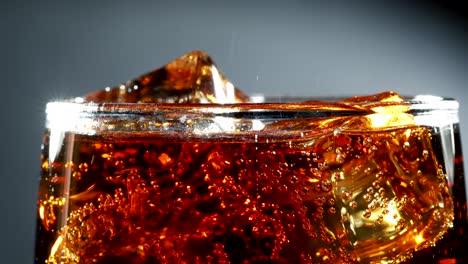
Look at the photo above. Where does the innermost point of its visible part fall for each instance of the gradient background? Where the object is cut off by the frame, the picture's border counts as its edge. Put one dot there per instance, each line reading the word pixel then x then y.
pixel 52 50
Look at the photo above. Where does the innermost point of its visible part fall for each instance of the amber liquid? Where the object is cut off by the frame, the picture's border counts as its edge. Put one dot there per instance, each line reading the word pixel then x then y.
pixel 453 248
pixel 355 196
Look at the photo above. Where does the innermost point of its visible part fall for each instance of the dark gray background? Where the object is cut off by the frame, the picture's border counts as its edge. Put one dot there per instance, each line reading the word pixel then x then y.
pixel 53 50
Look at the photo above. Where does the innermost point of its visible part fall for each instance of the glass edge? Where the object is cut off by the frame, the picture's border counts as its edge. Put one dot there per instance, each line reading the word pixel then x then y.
pixel 418 103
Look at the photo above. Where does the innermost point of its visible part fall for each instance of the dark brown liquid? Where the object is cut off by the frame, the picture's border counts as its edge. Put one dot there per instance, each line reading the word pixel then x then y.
pixel 347 197
pixel 453 248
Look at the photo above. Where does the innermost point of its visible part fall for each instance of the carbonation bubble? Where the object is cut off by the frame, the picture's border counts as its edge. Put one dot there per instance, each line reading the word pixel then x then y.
pixel 347 195
pixel 367 213
pixel 326 185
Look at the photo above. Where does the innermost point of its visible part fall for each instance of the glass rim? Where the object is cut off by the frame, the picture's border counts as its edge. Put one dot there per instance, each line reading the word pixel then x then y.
pixel 258 102
pixel 238 120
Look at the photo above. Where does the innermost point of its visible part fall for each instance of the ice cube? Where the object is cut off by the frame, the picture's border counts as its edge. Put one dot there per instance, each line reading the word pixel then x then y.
pixel 388 96
pixel 358 113
pixel 386 109
pixel 191 78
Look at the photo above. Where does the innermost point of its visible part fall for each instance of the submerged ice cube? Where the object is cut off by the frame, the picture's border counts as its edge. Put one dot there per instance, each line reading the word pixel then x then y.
pixel 386 109
pixel 350 197
pixel 191 78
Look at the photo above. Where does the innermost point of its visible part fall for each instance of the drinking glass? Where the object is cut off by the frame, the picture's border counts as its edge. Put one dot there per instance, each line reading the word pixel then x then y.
pixel 277 180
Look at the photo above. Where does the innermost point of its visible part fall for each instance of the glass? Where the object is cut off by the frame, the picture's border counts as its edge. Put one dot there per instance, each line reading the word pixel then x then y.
pixel 263 182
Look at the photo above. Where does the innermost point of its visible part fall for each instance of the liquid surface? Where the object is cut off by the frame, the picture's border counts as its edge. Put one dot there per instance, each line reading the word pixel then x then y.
pixel 343 198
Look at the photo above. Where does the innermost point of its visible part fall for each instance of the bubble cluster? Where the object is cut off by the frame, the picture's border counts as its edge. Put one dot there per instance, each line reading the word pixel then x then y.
pixel 286 202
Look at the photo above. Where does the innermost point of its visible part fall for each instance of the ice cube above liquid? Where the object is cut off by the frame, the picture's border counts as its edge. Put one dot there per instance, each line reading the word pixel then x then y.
pixel 192 78
pixel 364 186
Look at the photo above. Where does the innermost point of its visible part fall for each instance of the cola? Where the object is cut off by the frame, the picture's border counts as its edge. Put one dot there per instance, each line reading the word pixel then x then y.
pixel 179 166
pixel 452 247
pixel 336 198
